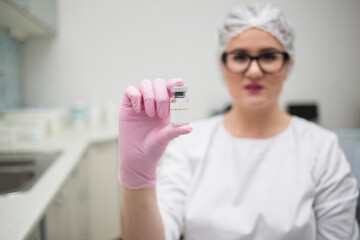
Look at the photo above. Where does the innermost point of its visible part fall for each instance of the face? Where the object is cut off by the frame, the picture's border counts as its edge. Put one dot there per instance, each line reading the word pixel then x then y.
pixel 255 89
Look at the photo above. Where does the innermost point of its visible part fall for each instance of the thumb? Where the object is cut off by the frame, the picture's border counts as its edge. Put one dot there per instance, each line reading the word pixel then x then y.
pixel 169 132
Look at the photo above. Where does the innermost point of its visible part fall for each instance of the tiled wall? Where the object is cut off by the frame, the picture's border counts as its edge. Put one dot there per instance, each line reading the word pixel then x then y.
pixel 10 71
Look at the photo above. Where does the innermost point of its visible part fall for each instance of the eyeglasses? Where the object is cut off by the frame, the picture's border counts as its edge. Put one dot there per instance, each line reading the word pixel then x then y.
pixel 237 62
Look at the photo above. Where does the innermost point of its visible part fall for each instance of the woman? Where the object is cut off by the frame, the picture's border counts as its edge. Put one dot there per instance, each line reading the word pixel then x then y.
pixel 253 173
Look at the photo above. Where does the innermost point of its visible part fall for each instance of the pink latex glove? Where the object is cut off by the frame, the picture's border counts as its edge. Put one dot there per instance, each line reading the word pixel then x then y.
pixel 145 131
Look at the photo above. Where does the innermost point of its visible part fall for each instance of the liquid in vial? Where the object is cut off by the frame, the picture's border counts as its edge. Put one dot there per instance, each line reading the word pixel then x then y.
pixel 179 106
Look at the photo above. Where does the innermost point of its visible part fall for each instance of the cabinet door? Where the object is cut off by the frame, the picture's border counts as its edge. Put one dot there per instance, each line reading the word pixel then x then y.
pixel 74 217
pixel 68 217
pixel 58 223
pixel 45 10
pixel 83 199
pixel 105 190
pixel 30 18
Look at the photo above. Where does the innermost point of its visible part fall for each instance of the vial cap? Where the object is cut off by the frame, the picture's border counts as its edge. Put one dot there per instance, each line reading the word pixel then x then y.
pixel 179 89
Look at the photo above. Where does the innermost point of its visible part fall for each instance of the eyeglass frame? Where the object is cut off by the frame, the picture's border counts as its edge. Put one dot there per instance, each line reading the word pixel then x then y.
pixel 285 54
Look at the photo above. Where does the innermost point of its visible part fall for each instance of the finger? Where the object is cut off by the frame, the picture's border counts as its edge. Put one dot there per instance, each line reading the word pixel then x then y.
pixel 147 92
pixel 161 97
pixel 132 97
pixel 166 134
pixel 175 82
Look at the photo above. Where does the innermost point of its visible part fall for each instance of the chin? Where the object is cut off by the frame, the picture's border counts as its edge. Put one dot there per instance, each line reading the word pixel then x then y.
pixel 255 104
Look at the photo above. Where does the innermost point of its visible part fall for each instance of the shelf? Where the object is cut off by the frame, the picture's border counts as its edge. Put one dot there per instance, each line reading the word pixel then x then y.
pixel 21 22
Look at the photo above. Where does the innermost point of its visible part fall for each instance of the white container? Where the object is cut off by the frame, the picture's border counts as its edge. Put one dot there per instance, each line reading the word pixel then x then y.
pixel 179 106
pixel 36 123
pixel 79 115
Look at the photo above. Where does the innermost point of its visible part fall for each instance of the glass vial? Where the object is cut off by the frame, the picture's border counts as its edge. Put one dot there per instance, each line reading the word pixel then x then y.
pixel 179 106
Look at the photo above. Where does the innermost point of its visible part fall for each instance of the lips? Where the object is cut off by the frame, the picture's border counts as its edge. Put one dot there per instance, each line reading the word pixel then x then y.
pixel 253 87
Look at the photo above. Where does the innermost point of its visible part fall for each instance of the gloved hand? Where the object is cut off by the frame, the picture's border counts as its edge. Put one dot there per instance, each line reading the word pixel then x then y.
pixel 145 131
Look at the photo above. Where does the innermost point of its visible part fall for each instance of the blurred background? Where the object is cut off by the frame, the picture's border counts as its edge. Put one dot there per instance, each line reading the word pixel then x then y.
pixel 69 62
pixel 100 47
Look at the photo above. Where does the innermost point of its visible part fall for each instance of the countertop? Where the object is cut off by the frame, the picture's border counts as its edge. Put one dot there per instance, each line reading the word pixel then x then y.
pixel 21 212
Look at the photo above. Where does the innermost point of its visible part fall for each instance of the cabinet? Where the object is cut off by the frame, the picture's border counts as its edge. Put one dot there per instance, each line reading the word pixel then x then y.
pixel 68 215
pixel 105 190
pixel 29 18
pixel 87 206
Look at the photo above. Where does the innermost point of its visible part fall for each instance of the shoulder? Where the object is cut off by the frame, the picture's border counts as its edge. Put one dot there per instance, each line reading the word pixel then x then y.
pixel 321 148
pixel 312 134
pixel 319 145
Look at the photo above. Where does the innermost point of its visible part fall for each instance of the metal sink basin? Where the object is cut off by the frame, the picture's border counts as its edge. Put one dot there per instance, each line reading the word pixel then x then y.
pixel 20 171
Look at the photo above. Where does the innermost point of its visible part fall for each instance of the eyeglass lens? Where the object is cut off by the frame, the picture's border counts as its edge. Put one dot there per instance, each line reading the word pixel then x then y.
pixel 270 62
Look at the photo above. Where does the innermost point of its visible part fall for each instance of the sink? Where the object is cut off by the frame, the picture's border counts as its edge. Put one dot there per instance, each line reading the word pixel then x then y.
pixel 20 171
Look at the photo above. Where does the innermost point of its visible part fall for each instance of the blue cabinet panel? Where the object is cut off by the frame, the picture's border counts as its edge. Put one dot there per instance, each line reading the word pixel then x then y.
pixel 10 72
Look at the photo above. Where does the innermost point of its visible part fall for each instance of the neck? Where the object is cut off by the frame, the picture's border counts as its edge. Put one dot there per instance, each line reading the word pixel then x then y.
pixel 258 123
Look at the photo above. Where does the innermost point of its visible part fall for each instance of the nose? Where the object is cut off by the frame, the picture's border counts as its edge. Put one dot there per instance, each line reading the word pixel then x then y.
pixel 254 71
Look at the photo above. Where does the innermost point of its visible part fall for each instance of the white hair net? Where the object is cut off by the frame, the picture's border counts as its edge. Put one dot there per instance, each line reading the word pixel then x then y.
pixel 259 15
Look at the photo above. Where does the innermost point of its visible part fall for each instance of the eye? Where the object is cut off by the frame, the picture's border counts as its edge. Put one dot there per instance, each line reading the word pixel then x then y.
pixel 269 57
pixel 238 57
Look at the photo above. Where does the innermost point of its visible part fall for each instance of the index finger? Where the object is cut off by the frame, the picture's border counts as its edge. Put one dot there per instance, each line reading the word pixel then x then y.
pixel 132 98
pixel 175 82
pixel 161 97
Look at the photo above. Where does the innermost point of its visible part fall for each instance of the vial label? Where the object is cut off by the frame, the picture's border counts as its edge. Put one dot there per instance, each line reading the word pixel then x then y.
pixel 180 113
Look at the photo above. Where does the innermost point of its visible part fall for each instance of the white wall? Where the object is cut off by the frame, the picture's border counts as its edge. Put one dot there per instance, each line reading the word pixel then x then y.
pixel 103 46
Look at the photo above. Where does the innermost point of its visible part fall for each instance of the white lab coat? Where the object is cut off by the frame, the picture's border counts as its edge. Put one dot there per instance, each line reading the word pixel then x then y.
pixel 294 186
